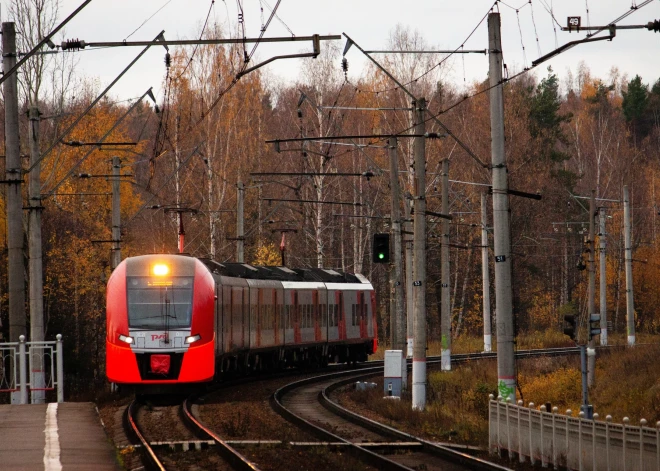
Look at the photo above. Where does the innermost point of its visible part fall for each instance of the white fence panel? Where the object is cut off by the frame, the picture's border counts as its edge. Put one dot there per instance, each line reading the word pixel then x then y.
pixel 549 438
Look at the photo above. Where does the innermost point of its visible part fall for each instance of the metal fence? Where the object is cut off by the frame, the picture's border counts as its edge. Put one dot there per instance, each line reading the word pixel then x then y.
pixel 44 361
pixel 550 438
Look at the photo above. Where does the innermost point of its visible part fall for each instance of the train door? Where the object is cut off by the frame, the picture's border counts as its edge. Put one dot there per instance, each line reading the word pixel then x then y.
pixel 246 317
pixel 288 316
pixel 352 324
pixel 342 314
pixel 372 315
pixel 316 316
pixel 239 315
pixel 266 320
pixel 297 335
pixel 219 348
pixel 333 315
pixel 226 317
pixel 362 314
pixel 323 313
pixel 277 316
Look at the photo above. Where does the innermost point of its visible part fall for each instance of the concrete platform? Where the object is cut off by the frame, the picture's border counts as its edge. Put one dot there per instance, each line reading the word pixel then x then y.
pixel 54 437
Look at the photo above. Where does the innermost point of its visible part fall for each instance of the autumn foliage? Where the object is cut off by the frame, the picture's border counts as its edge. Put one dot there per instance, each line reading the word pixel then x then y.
pixel 564 137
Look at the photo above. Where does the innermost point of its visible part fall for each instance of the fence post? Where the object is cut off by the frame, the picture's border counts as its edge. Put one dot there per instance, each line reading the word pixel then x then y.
pixel 554 437
pixel 593 441
pixel 521 456
pixel 60 369
pixel 657 444
pixel 580 417
pixel 626 421
pixel 608 420
pixel 543 463
pixel 490 433
pixel 508 428
pixel 531 448
pixel 569 413
pixel 499 435
pixel 22 369
pixel 642 424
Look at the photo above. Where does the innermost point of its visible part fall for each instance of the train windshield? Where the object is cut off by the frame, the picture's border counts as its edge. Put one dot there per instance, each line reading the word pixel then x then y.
pixel 159 304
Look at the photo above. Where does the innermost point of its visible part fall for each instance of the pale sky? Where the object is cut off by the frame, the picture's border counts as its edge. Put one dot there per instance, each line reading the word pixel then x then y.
pixel 443 24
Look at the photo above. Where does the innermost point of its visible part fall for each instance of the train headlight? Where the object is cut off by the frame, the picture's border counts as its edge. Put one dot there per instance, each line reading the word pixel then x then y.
pixel 126 338
pixel 160 269
pixel 192 339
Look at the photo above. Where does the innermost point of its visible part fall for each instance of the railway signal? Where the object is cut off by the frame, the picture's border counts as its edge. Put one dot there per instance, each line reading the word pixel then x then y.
pixel 381 248
pixel 594 325
pixel 570 329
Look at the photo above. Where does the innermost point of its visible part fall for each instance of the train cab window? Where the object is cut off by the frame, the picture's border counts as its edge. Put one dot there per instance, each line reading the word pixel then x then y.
pixel 159 304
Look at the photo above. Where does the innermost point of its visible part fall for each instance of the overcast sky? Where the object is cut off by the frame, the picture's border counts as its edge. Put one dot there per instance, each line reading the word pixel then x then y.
pixel 443 24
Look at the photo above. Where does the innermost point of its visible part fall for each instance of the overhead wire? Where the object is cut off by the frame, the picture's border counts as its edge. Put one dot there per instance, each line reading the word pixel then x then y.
pixel 145 21
pixel 444 59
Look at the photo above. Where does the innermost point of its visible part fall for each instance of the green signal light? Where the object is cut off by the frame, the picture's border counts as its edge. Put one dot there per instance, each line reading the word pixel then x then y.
pixel 381 256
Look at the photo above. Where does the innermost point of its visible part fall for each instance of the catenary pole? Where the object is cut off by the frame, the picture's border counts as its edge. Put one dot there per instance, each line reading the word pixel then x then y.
pixel 408 242
pixel 37 381
pixel 602 239
pixel 116 213
pixel 591 350
pixel 240 236
pixel 506 375
pixel 485 275
pixel 397 312
pixel 419 260
pixel 445 304
pixel 13 202
pixel 630 303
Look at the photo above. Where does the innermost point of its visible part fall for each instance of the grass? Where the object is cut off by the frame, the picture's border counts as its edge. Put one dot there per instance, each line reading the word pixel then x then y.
pixel 627 384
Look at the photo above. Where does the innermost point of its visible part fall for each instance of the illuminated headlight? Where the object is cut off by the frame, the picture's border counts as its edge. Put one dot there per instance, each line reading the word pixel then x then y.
pixel 192 339
pixel 125 338
pixel 160 269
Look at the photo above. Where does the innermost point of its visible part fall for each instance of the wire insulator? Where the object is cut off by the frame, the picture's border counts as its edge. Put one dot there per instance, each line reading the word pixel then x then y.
pixel 168 60
pixel 344 65
pixel 73 44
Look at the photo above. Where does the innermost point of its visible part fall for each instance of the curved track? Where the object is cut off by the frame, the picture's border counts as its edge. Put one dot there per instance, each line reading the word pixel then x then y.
pixel 377 445
pixel 149 457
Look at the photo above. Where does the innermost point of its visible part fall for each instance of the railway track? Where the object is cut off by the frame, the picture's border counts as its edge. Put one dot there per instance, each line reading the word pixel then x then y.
pixel 304 404
pixel 376 445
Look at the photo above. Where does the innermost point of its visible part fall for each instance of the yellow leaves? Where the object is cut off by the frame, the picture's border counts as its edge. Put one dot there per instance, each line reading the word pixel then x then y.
pixel 267 255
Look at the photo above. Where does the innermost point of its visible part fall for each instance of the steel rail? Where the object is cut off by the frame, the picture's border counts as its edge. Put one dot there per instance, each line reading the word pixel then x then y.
pixel 150 460
pixel 233 457
pixel 368 456
pixel 440 451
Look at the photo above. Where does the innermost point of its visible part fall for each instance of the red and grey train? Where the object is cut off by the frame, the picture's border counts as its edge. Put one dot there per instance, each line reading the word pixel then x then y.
pixel 176 320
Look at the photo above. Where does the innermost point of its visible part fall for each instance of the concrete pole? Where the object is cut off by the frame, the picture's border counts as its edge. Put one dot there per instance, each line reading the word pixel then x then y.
pixel 485 275
pixel 14 203
pixel 602 239
pixel 506 367
pixel 419 260
pixel 591 347
pixel 116 213
pixel 240 242
pixel 630 303
pixel 35 265
pixel 397 312
pixel 408 241
pixel 445 302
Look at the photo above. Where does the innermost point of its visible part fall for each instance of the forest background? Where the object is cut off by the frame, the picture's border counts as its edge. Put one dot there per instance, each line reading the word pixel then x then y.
pixel 564 137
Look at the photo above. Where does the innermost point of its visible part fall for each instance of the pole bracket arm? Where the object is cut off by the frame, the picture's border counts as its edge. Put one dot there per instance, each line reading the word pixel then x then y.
pixel 317 50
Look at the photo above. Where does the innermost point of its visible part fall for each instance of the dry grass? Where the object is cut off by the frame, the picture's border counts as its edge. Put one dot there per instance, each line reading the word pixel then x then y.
pixel 627 384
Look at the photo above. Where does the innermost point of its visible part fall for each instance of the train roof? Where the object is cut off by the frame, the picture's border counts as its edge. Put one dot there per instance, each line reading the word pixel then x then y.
pixel 252 272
